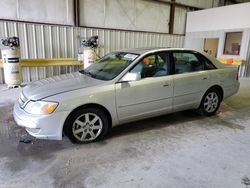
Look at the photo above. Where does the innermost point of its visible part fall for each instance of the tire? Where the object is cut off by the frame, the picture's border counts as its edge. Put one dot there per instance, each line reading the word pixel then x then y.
pixel 210 102
pixel 86 125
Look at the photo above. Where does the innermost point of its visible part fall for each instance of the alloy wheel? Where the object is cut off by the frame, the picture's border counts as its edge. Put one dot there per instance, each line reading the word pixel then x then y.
pixel 211 102
pixel 87 127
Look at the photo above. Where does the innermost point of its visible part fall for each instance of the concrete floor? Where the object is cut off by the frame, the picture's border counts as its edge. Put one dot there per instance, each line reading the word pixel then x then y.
pixel 177 150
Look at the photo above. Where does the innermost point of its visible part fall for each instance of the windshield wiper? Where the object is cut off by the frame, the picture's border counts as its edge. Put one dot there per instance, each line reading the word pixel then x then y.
pixel 88 73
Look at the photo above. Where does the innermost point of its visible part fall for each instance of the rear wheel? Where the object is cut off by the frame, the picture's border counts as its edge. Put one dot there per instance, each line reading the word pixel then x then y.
pixel 210 102
pixel 86 125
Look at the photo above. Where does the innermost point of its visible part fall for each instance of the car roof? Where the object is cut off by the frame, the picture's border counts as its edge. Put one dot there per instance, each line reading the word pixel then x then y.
pixel 140 50
pixel 151 49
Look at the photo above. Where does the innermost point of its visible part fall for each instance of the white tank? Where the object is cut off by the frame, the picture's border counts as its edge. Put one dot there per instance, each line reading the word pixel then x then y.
pixel 89 56
pixel 12 69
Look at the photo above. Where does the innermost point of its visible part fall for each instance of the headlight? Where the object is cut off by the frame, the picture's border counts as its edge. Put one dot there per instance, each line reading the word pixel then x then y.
pixel 40 107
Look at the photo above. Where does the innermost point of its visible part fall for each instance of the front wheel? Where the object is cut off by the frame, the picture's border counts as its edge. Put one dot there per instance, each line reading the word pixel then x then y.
pixel 210 102
pixel 86 125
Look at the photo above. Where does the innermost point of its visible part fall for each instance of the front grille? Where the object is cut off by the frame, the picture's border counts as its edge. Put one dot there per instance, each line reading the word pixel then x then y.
pixel 22 100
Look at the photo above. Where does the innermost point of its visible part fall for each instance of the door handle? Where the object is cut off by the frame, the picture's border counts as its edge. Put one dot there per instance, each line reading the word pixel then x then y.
pixel 166 85
pixel 204 78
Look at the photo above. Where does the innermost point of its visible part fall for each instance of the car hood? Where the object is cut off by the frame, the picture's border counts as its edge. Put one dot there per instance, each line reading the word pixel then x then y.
pixel 58 84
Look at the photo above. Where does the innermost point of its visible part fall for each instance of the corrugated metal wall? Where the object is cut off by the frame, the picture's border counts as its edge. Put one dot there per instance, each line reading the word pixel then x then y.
pixel 130 15
pixel 180 20
pixel 45 11
pixel 200 3
pixel 53 41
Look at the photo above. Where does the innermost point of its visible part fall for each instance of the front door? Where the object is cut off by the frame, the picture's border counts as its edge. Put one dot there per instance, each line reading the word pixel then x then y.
pixel 151 95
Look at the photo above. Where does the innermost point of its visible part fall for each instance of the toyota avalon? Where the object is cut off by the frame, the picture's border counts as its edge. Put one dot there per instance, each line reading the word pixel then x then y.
pixel 122 87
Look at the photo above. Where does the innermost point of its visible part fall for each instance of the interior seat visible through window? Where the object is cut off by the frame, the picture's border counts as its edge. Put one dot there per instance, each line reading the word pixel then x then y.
pixel 152 66
pixel 186 62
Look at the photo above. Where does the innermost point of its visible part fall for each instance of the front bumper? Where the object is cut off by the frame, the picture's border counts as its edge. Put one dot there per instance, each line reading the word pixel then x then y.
pixel 41 126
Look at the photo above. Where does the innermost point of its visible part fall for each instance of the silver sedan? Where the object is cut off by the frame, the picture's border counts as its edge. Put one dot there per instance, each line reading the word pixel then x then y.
pixel 122 87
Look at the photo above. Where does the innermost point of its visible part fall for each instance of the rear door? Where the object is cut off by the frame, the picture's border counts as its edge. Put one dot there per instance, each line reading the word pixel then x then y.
pixel 151 95
pixel 191 79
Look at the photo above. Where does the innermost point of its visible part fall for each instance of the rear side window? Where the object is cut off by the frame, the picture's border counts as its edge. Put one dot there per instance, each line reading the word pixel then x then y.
pixel 208 65
pixel 187 62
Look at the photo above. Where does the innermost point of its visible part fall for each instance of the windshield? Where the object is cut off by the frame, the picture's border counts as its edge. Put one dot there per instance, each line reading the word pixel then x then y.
pixel 110 66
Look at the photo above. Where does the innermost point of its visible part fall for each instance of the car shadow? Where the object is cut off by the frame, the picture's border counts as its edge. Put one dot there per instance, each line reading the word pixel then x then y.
pixel 44 149
pixel 173 119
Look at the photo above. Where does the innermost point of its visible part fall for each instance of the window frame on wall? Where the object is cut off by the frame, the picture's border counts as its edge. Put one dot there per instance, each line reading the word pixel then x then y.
pixel 225 43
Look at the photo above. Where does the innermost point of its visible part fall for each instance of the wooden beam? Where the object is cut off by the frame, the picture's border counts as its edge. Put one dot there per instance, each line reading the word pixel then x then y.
pixel 76 13
pixel 171 17
pixel 176 4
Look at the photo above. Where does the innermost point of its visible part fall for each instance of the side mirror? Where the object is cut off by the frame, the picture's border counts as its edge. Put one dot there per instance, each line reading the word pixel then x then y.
pixel 131 77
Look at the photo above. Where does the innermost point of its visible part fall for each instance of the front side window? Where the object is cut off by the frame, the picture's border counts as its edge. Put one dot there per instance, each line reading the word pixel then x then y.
pixel 233 43
pixel 153 65
pixel 187 62
pixel 110 66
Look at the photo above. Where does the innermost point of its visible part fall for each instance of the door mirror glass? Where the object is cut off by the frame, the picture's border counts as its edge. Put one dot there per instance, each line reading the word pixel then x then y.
pixel 130 76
